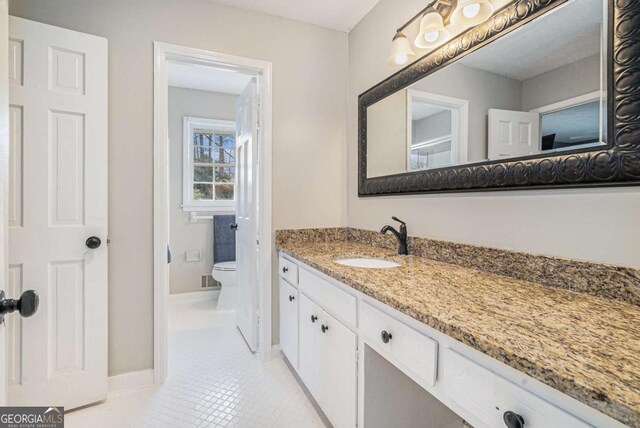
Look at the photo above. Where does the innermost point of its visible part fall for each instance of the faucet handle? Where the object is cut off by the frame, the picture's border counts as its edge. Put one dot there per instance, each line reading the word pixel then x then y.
pixel 398 220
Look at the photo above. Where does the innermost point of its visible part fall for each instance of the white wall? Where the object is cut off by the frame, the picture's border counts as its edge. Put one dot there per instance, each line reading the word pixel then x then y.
pixel 309 129
pixel 183 235
pixel 589 224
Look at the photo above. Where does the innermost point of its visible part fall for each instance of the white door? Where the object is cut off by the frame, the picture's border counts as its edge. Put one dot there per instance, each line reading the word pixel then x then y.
pixel 339 373
pixel 309 349
pixel 246 209
pixel 57 200
pixel 4 177
pixel 289 322
pixel 513 133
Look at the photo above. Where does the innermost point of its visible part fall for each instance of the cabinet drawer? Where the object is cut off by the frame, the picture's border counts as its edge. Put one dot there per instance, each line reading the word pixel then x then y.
pixel 288 270
pixel 336 302
pixel 488 396
pixel 414 350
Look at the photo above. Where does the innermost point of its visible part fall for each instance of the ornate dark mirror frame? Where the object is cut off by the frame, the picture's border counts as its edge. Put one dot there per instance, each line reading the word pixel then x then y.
pixel 616 164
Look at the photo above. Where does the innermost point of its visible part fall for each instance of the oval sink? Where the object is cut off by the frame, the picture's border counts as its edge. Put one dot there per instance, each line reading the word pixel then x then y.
pixel 363 262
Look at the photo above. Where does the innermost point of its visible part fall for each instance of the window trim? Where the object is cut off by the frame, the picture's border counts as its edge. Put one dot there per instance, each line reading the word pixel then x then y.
pixel 189 124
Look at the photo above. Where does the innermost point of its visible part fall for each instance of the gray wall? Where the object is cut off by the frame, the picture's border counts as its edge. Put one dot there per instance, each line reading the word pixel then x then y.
pixel 430 127
pixel 564 82
pixel 565 223
pixel 184 235
pixel 309 130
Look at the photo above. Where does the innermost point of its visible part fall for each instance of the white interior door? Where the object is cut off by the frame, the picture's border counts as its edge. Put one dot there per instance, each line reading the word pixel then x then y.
pixel 57 200
pixel 4 178
pixel 246 209
pixel 513 133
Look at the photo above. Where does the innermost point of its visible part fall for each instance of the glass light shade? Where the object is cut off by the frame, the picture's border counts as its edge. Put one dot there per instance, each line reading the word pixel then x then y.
pixel 401 51
pixel 432 31
pixel 471 12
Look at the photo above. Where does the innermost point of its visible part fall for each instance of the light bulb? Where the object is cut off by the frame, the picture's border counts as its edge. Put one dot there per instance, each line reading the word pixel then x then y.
pixel 400 58
pixel 431 36
pixel 471 10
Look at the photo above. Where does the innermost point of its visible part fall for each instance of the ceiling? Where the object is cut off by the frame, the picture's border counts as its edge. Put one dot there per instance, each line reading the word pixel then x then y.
pixel 421 110
pixel 340 15
pixel 563 36
pixel 203 78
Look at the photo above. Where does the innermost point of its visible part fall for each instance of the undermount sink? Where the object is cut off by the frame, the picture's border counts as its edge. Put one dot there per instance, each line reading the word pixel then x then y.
pixel 369 263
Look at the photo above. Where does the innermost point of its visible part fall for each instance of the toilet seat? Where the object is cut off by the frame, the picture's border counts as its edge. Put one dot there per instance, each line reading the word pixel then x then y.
pixel 225 266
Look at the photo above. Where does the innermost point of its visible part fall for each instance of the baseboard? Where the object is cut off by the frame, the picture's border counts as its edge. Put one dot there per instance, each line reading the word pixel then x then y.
pixel 129 381
pixel 194 296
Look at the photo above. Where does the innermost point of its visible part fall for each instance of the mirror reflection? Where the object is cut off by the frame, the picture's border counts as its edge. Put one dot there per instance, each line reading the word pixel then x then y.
pixel 509 99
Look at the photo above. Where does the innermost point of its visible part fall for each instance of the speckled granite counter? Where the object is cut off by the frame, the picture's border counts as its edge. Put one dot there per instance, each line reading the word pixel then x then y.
pixel 584 346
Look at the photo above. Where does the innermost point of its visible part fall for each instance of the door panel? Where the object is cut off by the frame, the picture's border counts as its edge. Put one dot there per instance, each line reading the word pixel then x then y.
pixel 309 349
pixel 339 373
pixel 246 209
pixel 289 322
pixel 58 199
pixel 513 133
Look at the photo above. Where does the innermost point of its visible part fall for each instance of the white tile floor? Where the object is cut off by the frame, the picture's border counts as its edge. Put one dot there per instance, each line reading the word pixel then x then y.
pixel 214 381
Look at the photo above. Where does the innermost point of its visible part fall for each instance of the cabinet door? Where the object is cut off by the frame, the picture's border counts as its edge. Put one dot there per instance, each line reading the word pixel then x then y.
pixel 339 373
pixel 289 322
pixel 309 351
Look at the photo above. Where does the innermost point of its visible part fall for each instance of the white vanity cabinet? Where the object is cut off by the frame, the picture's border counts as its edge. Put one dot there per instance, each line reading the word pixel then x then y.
pixel 330 329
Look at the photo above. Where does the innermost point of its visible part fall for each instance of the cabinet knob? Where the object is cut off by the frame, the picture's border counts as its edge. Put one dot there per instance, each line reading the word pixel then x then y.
pixel 291 298
pixel 386 336
pixel 513 420
pixel 324 328
pixel 314 318
pixel 285 269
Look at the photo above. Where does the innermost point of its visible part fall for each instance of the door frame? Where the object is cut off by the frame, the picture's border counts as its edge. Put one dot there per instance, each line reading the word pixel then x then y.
pixel 4 179
pixel 163 53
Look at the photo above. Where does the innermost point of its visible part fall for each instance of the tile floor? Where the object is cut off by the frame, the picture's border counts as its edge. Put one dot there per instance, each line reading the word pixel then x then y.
pixel 214 381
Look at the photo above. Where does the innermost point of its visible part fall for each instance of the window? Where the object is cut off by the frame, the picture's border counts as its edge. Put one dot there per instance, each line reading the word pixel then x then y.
pixel 209 164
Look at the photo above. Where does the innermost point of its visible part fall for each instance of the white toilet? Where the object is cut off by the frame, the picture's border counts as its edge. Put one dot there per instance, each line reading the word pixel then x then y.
pixel 225 272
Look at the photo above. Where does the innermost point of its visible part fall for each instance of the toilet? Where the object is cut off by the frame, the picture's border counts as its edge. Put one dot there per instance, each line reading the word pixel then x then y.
pixel 225 272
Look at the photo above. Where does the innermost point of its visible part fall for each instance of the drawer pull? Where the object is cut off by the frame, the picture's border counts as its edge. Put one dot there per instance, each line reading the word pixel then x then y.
pixel 386 336
pixel 324 328
pixel 513 420
pixel 314 318
pixel 291 298
pixel 285 269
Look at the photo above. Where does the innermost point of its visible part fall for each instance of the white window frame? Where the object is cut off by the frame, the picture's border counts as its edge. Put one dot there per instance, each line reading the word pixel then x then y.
pixel 189 125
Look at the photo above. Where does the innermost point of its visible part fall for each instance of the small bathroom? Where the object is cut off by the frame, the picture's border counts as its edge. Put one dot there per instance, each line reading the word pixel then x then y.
pixel 202 242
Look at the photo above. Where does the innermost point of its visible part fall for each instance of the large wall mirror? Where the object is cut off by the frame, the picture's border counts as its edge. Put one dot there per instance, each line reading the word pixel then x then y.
pixel 543 93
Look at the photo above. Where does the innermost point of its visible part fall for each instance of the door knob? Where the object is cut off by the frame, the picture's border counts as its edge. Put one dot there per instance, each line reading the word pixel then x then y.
pixel 233 226
pixel 26 305
pixel 93 242
pixel 513 420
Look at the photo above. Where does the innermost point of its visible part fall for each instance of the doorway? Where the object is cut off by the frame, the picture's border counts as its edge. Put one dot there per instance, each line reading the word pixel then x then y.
pixel 224 151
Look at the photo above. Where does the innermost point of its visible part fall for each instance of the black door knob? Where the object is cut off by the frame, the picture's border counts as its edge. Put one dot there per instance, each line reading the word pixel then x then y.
pixel 513 420
pixel 291 298
pixel 93 242
pixel 324 328
pixel 233 226
pixel 386 336
pixel 314 318
pixel 26 305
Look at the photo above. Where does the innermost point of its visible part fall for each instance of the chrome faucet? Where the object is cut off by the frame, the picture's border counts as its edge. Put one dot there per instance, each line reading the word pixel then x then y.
pixel 401 235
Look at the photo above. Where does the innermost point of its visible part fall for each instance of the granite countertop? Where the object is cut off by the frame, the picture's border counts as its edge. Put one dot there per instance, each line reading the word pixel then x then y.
pixel 584 346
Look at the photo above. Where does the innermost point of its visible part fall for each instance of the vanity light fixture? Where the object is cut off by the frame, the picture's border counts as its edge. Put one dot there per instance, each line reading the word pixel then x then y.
pixel 432 31
pixel 435 22
pixel 471 12
pixel 401 51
